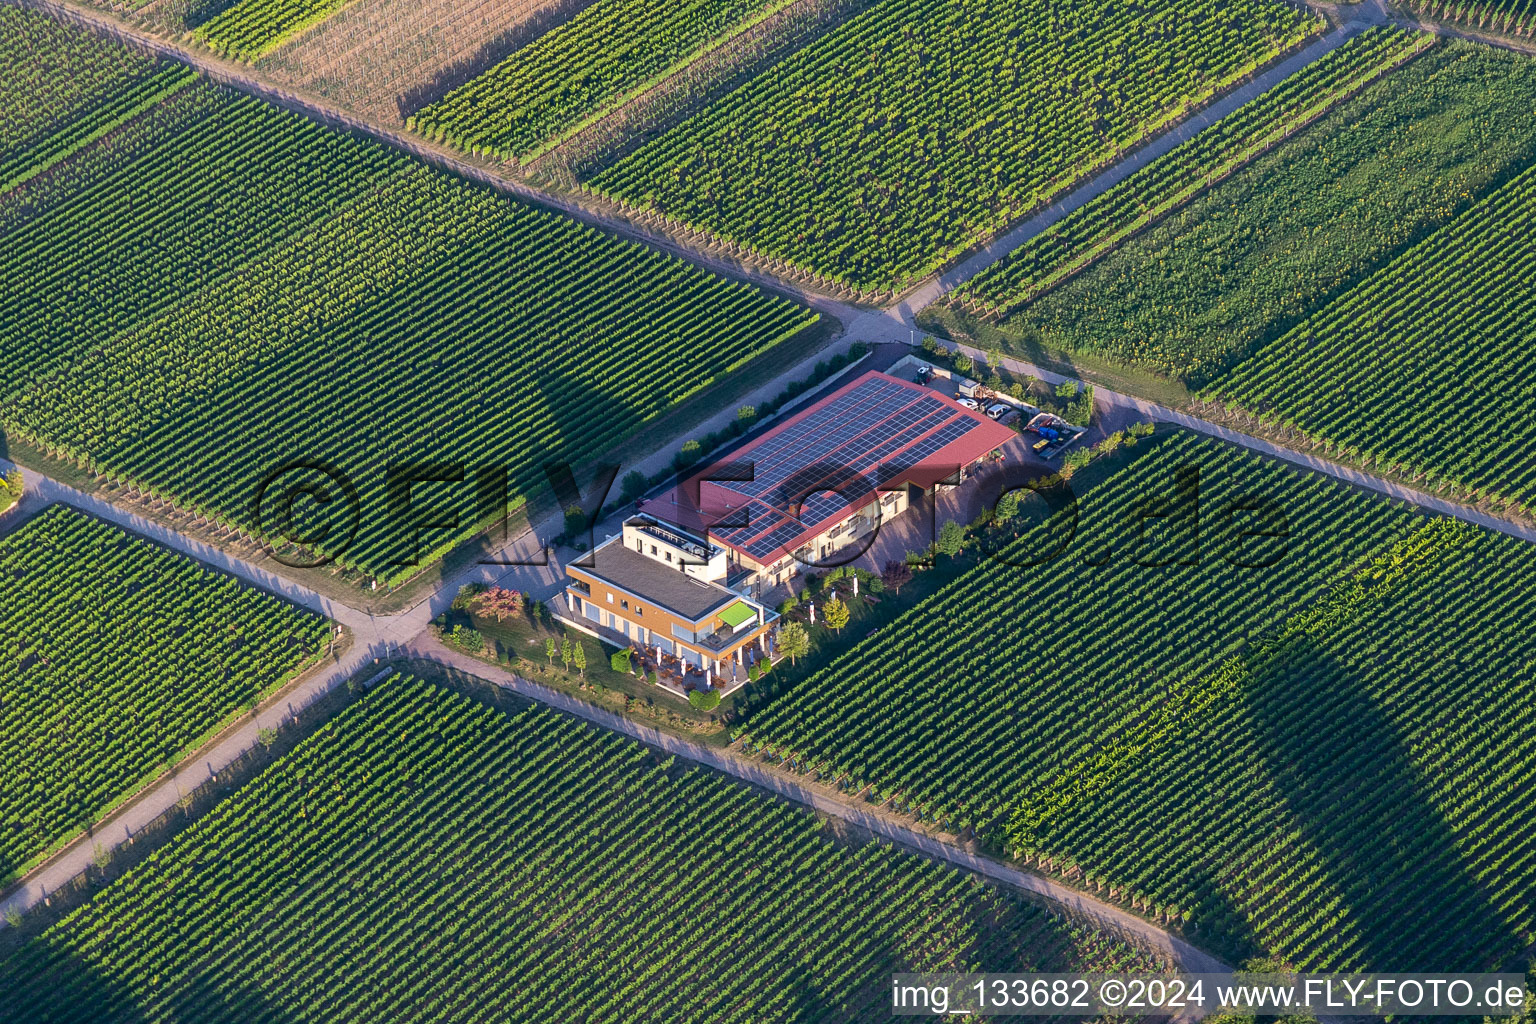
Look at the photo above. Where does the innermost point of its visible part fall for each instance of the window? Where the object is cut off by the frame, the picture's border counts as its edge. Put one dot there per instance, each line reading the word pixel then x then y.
pixel 610 597
pixel 653 550
pixel 669 556
pixel 624 605
pixel 639 610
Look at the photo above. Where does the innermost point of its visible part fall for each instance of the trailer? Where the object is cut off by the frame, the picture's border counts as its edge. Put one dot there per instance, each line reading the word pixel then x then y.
pixel 1054 434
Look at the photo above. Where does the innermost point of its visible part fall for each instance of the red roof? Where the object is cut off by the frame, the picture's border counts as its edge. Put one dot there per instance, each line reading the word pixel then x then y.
pixel 826 461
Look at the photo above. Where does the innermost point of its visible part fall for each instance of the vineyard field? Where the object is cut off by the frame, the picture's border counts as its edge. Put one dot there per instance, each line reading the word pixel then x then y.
pixel 1505 17
pixel 118 656
pixel 1446 334
pixel 580 70
pixel 454 849
pixel 920 128
pixel 1033 704
pixel 282 291
pixel 1353 776
pixel 36 101
pixel 388 58
pixel 1257 253
pixel 247 29
pixel 1165 184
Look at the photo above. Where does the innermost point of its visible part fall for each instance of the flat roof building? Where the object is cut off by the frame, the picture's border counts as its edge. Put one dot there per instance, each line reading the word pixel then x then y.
pixel 660 589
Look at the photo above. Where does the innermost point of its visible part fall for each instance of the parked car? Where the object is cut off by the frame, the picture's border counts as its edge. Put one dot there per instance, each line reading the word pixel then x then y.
pixel 969 403
pixel 999 410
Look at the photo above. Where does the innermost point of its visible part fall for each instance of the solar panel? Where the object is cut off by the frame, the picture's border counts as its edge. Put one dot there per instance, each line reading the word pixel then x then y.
pixel 877 430
pixel 759 517
pixel 764 546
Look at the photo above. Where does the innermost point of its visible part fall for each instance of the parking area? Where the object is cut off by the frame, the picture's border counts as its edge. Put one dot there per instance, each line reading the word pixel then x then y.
pixel 1048 435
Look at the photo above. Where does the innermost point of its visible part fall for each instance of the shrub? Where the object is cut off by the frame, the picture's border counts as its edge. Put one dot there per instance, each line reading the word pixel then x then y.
pixel 1078 459
pixel 619 661
pixel 897 574
pixel 1007 506
pixel 688 454
pixel 10 489
pixel 466 595
pixel 704 700
pixel 467 639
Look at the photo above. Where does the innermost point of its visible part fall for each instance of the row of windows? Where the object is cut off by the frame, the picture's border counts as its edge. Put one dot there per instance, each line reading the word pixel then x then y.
pixel 624 604
pixel 640 547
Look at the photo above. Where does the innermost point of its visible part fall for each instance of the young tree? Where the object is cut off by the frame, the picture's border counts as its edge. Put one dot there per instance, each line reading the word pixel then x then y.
pixel 566 653
pixel 579 658
pixel 575 522
pixel 951 539
pixel 550 650
pixel 633 485
pixel 1007 506
pixel 897 574
pixel 793 641
pixel 836 612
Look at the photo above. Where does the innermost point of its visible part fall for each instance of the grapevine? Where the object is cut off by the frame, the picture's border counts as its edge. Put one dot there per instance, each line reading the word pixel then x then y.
pixel 116 656
pixel 518 866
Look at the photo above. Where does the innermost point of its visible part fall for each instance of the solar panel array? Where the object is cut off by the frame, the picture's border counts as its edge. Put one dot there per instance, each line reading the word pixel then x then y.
pixel 835 459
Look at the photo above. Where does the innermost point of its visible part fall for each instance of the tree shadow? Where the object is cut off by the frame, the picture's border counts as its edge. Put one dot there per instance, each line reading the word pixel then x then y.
pixel 42 982
pixel 204 998
pixel 1347 775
